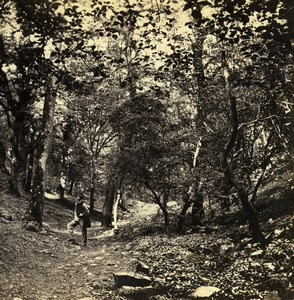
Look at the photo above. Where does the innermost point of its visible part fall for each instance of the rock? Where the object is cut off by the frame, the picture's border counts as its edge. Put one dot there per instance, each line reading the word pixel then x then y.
pixel 131 279
pixel 46 226
pixel 272 296
pixel 270 266
pixel 276 196
pixel 279 232
pixel 173 205
pixel 143 268
pixel 137 292
pixel 6 215
pixel 257 253
pixel 204 291
pixel 32 226
pixel 3 220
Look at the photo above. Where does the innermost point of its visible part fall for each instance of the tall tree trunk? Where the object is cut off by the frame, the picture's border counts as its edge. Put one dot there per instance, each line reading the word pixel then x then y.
pixel 164 210
pixel 2 156
pixel 190 196
pixel 35 210
pixel 201 96
pixel 251 215
pixel 30 172
pixel 20 151
pixel 92 187
pixel 182 216
pixel 71 186
pixel 61 186
pixel 108 205
pixel 19 120
pixel 252 218
pixel 115 206
pixel 198 209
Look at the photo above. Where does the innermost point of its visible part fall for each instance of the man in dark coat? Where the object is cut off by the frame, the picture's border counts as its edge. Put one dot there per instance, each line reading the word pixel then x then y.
pixel 82 218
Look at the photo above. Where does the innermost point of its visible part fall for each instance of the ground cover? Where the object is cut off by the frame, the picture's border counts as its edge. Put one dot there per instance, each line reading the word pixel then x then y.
pixel 44 265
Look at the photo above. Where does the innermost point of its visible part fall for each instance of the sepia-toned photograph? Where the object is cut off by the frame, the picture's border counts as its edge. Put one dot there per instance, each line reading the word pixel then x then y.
pixel 146 149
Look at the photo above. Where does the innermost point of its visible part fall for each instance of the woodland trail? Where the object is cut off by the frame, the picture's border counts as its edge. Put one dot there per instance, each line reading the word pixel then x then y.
pixel 43 266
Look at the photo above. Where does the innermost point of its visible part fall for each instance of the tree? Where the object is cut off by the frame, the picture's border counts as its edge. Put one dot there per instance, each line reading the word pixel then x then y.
pixel 36 205
pixel 145 157
pixel 24 82
pixel 231 22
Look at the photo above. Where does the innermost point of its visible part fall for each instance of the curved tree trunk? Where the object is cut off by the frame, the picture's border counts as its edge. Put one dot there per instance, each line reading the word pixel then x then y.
pixel 182 215
pixel 252 218
pixel 165 215
pixel 251 215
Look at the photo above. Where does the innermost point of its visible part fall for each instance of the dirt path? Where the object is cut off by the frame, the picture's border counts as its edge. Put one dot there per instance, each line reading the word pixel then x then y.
pixel 43 266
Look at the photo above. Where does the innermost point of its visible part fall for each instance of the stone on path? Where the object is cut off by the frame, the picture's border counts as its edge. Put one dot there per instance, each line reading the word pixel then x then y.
pixel 272 296
pixel 204 291
pixel 143 268
pixel 137 292
pixel 131 279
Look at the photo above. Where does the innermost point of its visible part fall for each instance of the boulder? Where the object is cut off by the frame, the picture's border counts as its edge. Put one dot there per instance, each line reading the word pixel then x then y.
pixel 204 292
pixel 272 296
pixel 137 292
pixel 131 279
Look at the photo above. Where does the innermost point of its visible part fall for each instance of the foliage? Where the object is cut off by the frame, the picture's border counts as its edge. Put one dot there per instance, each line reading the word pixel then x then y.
pixel 159 82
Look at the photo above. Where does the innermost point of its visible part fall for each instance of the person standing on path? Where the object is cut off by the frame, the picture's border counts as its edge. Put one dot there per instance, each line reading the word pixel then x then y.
pixel 82 218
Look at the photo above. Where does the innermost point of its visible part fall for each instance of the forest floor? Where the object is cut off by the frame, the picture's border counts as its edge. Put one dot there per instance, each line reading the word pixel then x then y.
pixel 44 265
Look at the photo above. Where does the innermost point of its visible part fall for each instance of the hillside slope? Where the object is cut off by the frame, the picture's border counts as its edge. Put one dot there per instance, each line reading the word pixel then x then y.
pixel 43 265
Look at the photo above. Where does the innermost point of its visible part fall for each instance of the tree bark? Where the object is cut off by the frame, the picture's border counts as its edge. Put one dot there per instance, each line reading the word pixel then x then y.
pixel 92 187
pixel 20 151
pixel 165 215
pixel 2 155
pixel 198 209
pixel 182 215
pixel 251 215
pixel 61 186
pixel 115 206
pixel 71 186
pixel 19 120
pixel 35 210
pixel 190 196
pixel 108 205
pixel 30 171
